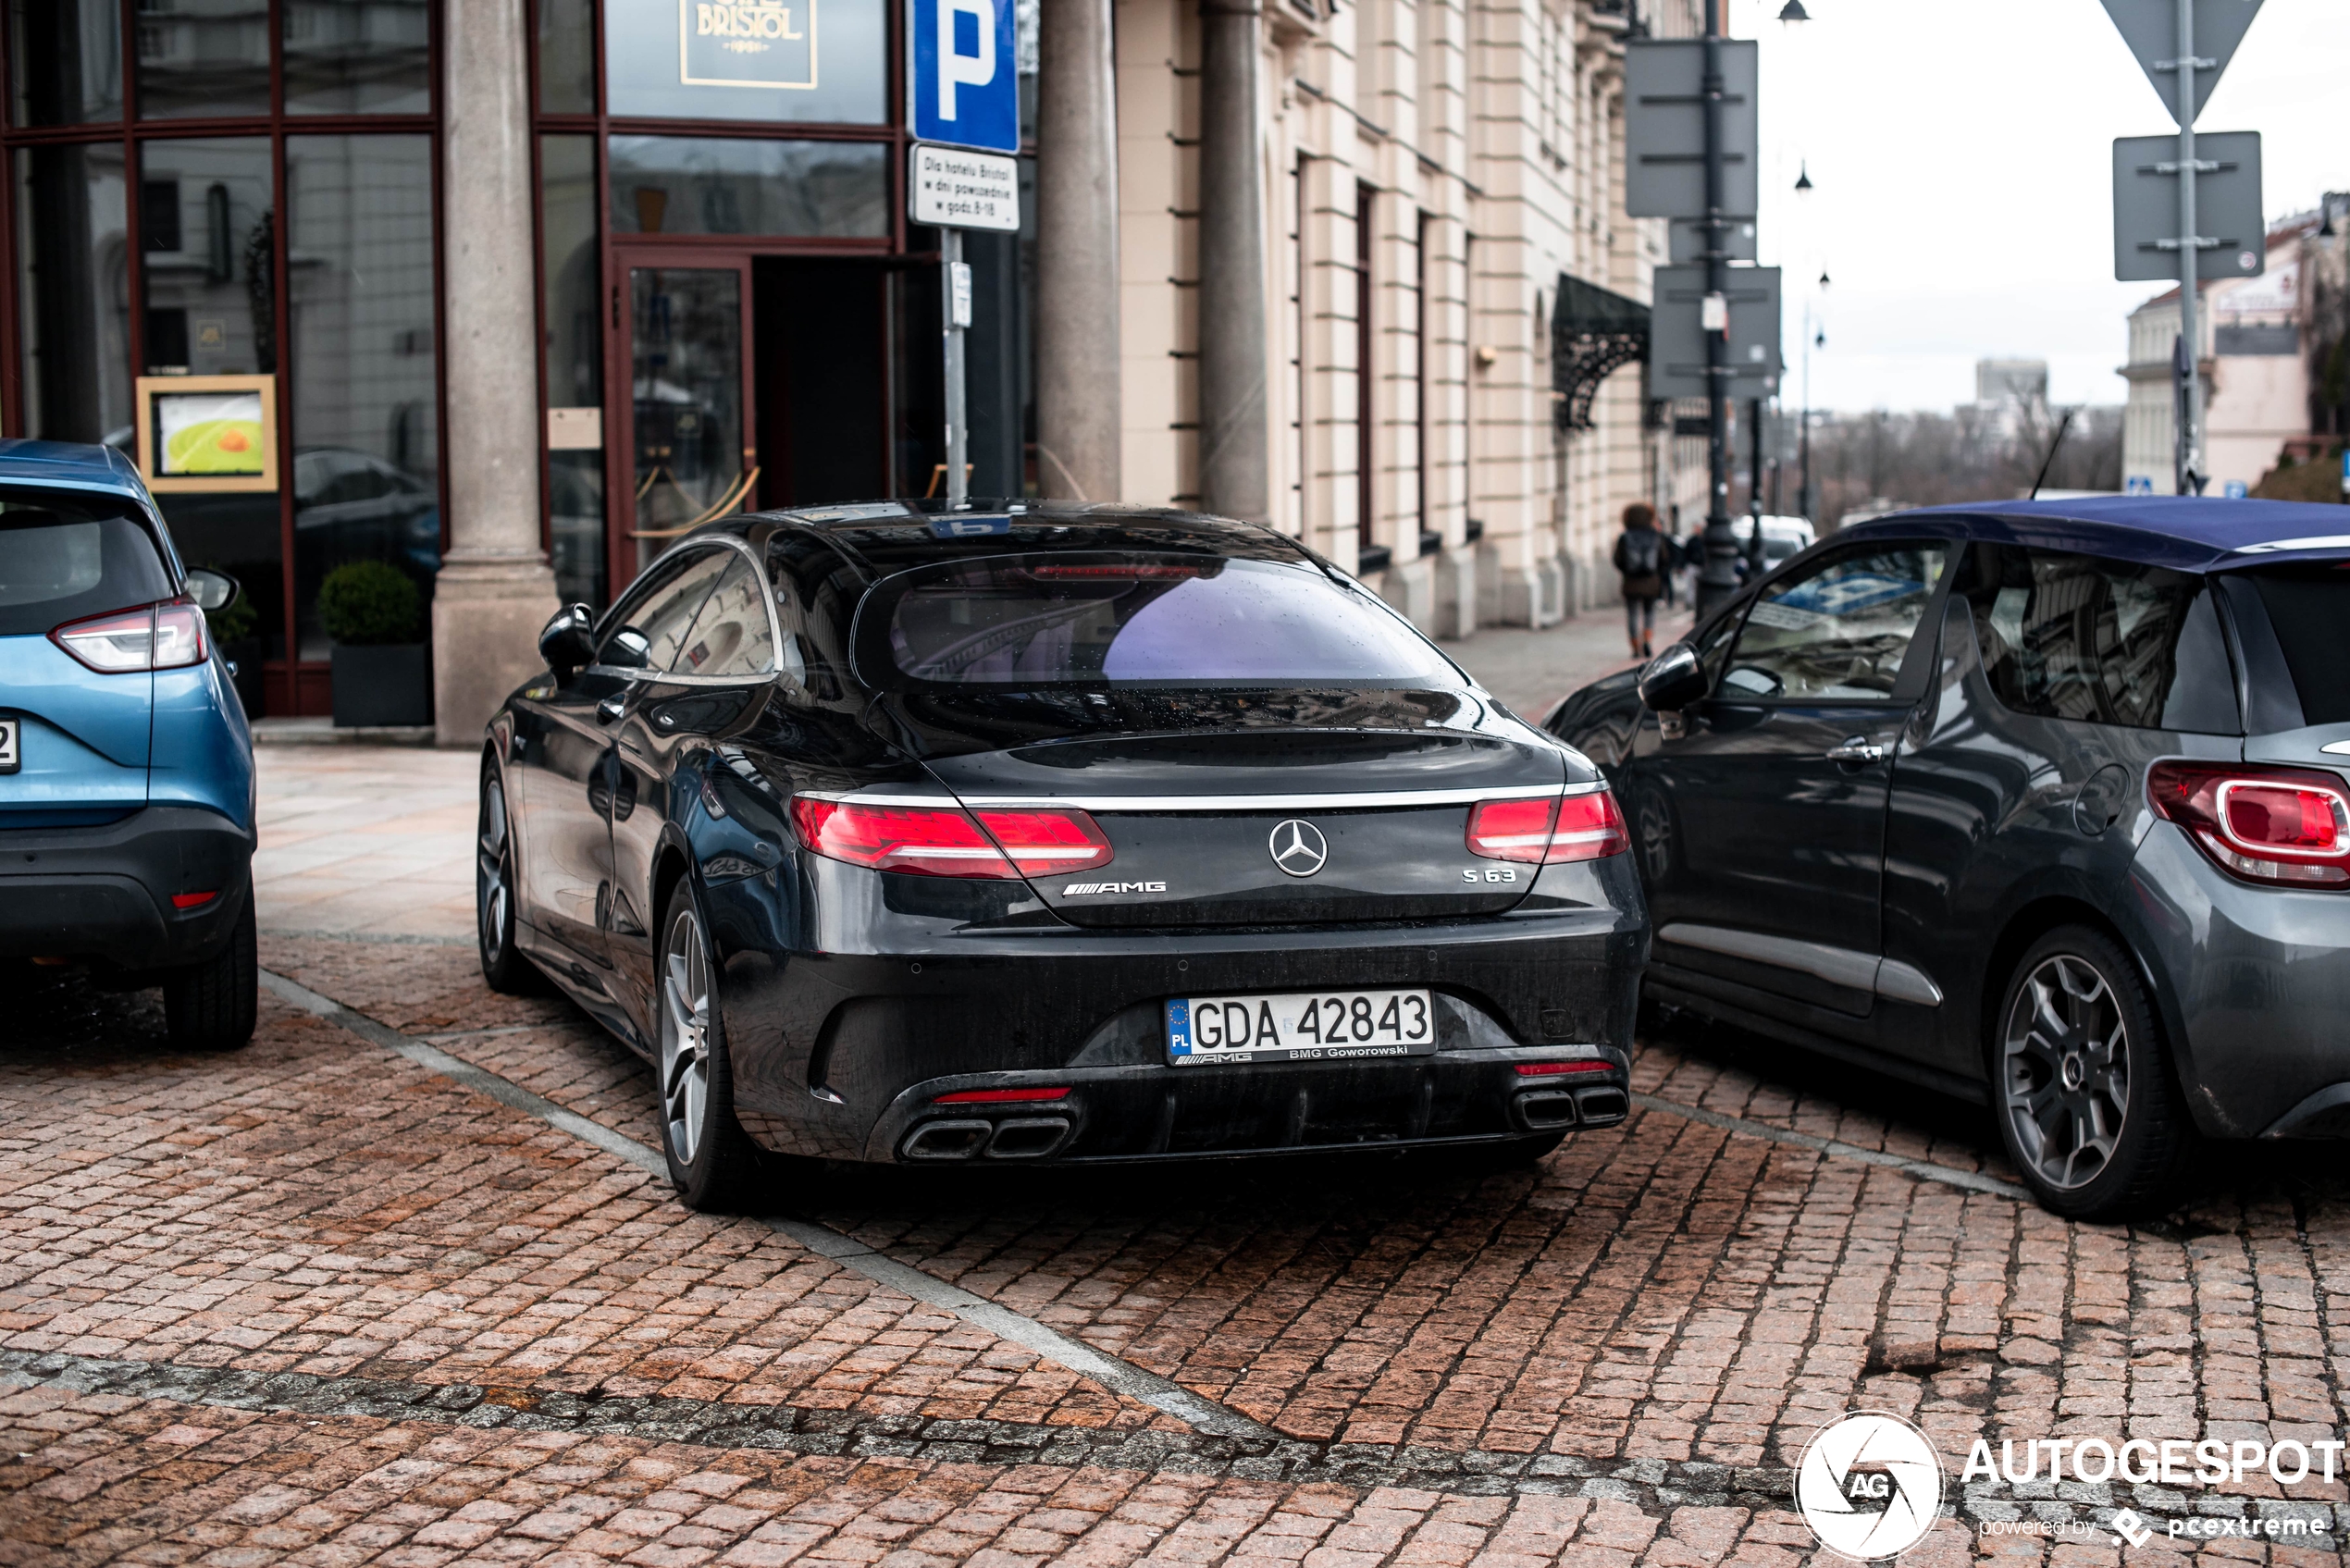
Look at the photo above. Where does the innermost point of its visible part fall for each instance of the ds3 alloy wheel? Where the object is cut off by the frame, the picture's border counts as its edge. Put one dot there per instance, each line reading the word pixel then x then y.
pixel 712 1161
pixel 2081 1084
pixel 502 964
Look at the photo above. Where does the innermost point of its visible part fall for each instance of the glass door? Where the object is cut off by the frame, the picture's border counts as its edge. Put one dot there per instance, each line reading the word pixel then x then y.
pixel 688 412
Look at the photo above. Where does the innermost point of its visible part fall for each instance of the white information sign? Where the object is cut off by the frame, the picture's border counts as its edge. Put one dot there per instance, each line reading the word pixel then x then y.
pixel 958 190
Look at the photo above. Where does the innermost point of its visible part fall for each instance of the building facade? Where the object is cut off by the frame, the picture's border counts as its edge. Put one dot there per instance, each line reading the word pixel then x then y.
pixel 2253 361
pixel 536 285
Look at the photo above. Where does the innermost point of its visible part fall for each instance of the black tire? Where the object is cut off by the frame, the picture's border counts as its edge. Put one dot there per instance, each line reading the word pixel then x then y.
pixel 2081 1084
pixel 503 965
pixel 210 1006
pixel 712 1162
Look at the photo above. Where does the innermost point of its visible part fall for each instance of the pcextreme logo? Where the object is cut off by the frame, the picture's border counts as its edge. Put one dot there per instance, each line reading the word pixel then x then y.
pixel 1870 1485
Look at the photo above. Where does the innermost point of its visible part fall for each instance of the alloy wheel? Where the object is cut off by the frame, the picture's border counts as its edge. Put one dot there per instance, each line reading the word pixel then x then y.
pixel 2066 1061
pixel 685 1032
pixel 494 886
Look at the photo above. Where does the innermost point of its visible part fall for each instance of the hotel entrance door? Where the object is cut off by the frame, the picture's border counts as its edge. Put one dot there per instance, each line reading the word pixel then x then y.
pixel 687 398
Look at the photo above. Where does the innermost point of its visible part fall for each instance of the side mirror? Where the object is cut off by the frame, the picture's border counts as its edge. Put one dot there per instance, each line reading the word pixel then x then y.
pixel 569 641
pixel 1673 680
pixel 212 590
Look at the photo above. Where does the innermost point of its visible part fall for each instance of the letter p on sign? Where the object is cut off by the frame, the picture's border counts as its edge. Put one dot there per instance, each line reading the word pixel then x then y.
pixel 963 87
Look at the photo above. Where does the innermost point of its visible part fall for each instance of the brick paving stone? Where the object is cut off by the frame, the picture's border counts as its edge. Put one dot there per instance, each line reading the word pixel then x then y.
pixel 1648 1302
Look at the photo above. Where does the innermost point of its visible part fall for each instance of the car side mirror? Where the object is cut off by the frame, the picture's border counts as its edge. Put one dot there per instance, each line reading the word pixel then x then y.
pixel 1673 680
pixel 212 591
pixel 569 642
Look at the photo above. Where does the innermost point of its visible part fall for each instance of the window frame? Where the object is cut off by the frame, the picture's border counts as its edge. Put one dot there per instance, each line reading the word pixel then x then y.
pixel 293 684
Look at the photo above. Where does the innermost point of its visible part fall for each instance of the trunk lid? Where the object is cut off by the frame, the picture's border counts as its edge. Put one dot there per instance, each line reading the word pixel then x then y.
pixel 1271 826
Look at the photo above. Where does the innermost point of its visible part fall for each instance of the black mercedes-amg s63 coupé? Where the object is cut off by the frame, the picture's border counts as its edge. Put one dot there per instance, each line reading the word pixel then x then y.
pixel 1051 834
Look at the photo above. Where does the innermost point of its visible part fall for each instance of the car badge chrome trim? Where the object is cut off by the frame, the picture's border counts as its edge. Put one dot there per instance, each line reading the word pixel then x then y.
pixel 1298 847
pixel 1076 888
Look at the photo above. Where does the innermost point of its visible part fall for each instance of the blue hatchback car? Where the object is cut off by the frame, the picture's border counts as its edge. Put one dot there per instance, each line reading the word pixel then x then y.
pixel 2043 804
pixel 126 764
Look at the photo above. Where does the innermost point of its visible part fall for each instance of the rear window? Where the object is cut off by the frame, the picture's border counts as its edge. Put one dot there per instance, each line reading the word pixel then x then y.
pixel 2113 642
pixel 1083 619
pixel 2309 608
pixel 65 558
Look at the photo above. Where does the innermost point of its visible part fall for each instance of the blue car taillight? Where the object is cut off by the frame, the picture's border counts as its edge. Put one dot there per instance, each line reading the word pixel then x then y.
pixel 169 636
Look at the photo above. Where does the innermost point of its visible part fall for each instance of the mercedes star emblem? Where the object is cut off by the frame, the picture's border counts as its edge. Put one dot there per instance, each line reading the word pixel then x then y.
pixel 1299 848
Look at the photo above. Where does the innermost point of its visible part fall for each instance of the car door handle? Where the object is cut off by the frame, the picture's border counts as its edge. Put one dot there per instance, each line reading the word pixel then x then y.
pixel 1859 749
pixel 610 709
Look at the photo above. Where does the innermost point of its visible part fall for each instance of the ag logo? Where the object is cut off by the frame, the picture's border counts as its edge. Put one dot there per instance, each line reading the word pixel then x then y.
pixel 1869 1486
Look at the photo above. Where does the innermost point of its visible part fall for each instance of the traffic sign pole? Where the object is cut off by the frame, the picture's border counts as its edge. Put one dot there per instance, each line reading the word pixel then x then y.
pixel 2188 458
pixel 1718 577
pixel 955 274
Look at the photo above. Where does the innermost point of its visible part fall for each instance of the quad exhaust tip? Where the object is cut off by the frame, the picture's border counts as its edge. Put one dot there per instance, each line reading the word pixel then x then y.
pixel 1553 1110
pixel 1016 1138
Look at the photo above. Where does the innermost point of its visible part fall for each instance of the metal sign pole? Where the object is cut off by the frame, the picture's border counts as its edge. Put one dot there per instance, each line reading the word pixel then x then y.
pixel 1718 578
pixel 955 310
pixel 2190 436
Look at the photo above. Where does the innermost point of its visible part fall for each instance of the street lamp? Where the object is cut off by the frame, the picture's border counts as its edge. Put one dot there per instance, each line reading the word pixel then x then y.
pixel 1793 11
pixel 1803 176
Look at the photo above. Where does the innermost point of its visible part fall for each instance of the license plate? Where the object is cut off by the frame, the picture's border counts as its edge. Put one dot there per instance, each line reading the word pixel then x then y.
pixel 9 759
pixel 1305 1026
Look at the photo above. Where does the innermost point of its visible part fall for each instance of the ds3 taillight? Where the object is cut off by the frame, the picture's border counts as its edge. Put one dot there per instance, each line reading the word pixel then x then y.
pixel 1547 830
pixel 949 841
pixel 2285 827
pixel 155 637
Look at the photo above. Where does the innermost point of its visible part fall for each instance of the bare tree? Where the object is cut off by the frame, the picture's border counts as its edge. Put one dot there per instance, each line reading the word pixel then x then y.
pixel 1869 461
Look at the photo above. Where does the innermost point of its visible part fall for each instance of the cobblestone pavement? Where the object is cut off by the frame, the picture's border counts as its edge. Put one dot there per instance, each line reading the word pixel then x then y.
pixel 403 1284
pixel 314 1301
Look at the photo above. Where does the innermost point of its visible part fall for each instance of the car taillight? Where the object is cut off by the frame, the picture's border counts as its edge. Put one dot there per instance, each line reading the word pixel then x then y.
pixel 2289 827
pixel 946 841
pixel 1551 830
pixel 160 636
pixel 1048 843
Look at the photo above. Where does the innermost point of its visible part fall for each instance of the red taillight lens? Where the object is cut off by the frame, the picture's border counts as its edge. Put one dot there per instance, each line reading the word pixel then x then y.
pixel 2289 827
pixel 1046 843
pixel 1548 1069
pixel 160 636
pixel 1578 827
pixel 924 841
pixel 191 900
pixel 998 1096
pixel 945 842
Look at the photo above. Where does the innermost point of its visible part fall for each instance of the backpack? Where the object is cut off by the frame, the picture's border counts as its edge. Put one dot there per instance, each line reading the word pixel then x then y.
pixel 1639 553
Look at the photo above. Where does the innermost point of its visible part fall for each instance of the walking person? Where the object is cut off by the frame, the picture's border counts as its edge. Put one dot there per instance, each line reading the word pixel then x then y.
pixel 1641 561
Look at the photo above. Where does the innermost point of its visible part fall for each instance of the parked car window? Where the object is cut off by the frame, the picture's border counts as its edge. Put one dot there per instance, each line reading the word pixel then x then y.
pixel 1040 621
pixel 2309 608
pixel 647 631
pixel 730 637
pixel 1837 631
pixel 2064 635
pixel 816 595
pixel 61 559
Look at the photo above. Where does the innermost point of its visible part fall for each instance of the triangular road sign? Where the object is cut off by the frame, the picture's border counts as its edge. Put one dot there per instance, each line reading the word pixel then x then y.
pixel 2151 29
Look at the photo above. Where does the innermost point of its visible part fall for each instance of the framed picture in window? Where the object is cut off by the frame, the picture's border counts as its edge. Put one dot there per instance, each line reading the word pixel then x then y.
pixel 208 432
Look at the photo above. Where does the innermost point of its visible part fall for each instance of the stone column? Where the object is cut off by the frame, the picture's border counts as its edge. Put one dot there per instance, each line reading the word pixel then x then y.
pixel 1079 425
pixel 1234 456
pixel 495 590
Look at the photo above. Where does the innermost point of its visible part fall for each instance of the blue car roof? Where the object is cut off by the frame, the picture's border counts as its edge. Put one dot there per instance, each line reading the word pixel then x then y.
pixel 2187 533
pixel 72 465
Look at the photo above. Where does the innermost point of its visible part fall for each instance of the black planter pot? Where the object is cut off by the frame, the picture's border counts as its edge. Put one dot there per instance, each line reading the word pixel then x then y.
pixel 376 687
pixel 245 653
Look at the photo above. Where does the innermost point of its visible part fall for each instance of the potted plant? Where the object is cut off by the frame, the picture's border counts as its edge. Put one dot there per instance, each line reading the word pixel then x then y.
pixel 375 617
pixel 236 631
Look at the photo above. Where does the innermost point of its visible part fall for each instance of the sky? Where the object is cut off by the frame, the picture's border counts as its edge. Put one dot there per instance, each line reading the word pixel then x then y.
pixel 1960 157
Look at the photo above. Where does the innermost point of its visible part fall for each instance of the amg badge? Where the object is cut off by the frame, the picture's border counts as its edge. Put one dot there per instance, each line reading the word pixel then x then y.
pixel 1073 889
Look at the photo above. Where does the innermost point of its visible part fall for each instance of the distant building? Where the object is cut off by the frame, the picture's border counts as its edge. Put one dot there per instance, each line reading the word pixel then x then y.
pixel 2252 360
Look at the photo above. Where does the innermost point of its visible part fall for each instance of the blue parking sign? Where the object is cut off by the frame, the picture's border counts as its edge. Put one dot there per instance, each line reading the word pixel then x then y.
pixel 963 84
